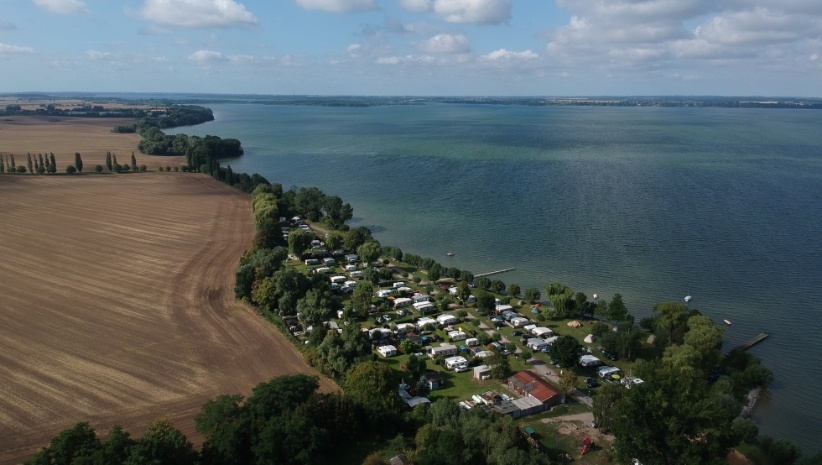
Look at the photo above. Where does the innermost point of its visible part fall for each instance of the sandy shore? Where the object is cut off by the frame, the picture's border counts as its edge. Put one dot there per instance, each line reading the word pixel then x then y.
pixel 117 293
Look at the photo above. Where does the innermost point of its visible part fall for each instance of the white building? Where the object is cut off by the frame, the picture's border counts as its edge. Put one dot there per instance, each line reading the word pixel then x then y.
pixel 387 351
pixel 456 363
pixel 444 350
pixel 425 321
pixel 446 319
pixel 457 336
pixel 536 343
pixel 423 306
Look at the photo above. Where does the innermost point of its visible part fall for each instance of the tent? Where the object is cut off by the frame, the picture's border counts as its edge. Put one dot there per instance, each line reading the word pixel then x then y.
pixel 574 324
pixel 589 339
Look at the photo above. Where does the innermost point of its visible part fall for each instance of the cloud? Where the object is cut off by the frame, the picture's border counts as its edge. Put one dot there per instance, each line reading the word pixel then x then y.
pixel 65 7
pixel 197 14
pixel 97 55
pixel 9 49
pixel 474 11
pixel 206 56
pixel 445 43
pixel 463 11
pixel 7 26
pixel 758 26
pixel 503 55
pixel 338 6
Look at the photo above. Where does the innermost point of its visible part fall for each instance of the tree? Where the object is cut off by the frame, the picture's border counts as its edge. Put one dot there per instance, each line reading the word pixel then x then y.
pixel 98 168
pixel 70 446
pixel 616 309
pixel 671 320
pixel 334 240
pixel 108 161
pixel 568 381
pixel 671 419
pixel 513 290
pixel 485 302
pixel 532 295
pixel 361 298
pixel 162 444
pixel 78 162
pixel 373 385
pixel 605 402
pixel 52 165
pixel 463 291
pixel 527 354
pixel 500 366
pixel 369 251
pixel 30 164
pixel 2 164
pixel 417 366
pixel 70 169
pixel 133 162
pixel 316 307
pixel 581 302
pixel 298 241
pixel 566 350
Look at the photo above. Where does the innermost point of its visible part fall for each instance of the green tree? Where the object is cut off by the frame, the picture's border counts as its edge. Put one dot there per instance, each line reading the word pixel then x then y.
pixel 78 162
pixel 463 291
pixel 52 165
pixel 70 169
pixel 162 444
pixel 581 302
pixel 374 386
pixel 670 419
pixel 617 309
pixel 417 366
pixel 30 164
pixel 108 161
pixel 532 295
pixel 361 298
pixel 70 446
pixel 605 402
pixel 2 164
pixel 485 302
pixel 369 251
pixel 133 162
pixel 98 168
pixel 671 320
pixel 316 307
pixel 568 381
pixel 299 241
pixel 566 350
pixel 513 290
pixel 500 365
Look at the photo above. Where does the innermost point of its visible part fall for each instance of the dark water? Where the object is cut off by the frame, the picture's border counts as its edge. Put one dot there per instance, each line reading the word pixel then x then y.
pixel 656 204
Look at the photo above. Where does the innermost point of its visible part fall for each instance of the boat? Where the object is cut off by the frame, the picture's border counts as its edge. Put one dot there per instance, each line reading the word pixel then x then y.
pixel 688 298
pixel 727 322
pixel 450 254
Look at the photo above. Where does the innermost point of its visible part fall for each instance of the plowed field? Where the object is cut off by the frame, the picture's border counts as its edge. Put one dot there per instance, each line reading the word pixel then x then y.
pixel 116 304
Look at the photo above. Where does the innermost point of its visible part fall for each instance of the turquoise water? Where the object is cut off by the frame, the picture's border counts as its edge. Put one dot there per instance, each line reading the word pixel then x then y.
pixel 653 203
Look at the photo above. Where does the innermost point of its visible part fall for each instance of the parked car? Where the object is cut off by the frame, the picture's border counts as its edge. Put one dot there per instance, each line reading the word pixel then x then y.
pixel 591 382
pixel 517 333
pixel 610 356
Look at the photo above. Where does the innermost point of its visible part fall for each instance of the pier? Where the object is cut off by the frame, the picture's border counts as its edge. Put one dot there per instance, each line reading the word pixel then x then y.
pixel 752 342
pixel 494 272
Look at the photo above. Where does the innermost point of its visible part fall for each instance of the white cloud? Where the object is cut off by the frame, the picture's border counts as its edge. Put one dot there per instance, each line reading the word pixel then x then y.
pixel 206 56
pixel 416 6
pixel 9 49
pixel 474 11
pixel 338 6
pixel 503 55
pixel 197 13
pixel 758 26
pixel 445 43
pixel 65 7
pixel 96 54
pixel 389 60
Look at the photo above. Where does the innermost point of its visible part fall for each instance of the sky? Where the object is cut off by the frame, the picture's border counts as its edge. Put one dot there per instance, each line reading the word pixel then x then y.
pixel 414 47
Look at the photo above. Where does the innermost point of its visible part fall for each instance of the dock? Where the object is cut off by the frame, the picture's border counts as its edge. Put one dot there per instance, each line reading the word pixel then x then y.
pixel 752 342
pixel 494 272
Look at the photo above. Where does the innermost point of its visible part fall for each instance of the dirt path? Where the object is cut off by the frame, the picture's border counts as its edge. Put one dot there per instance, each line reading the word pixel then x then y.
pixel 117 305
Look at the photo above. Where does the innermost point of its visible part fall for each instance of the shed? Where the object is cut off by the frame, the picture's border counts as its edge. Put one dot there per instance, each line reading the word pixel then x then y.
pixel 387 351
pixel 482 372
pixel 527 383
pixel 434 379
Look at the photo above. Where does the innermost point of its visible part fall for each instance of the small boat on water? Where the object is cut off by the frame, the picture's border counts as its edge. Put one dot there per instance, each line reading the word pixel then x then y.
pixel 727 322
pixel 688 298
pixel 450 254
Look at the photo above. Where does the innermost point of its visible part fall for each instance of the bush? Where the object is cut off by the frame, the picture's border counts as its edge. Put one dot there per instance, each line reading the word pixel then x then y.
pixel 126 168
pixel 143 168
pixel 118 168
pixel 70 169
pixel 168 168
pixel 98 168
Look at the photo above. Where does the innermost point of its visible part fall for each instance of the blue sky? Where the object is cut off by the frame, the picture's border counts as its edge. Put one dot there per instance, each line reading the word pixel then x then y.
pixel 414 47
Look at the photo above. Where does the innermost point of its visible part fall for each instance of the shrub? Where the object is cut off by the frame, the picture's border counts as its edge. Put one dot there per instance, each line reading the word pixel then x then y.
pixel 118 168
pixel 70 169
pixel 143 168
pixel 98 168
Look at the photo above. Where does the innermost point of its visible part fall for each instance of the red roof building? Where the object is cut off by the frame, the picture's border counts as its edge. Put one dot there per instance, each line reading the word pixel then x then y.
pixel 528 384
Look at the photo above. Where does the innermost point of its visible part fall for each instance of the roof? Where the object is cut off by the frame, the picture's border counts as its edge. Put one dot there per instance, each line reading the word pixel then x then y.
pixel 433 376
pixel 527 381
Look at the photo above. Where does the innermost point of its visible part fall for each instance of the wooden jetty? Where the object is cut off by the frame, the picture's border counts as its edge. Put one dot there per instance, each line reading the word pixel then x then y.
pixel 752 341
pixel 494 272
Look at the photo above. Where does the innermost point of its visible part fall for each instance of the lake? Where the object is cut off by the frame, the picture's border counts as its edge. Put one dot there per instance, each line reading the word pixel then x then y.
pixel 653 203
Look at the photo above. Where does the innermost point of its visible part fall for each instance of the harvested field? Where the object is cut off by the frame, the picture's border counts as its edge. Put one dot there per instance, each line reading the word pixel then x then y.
pixel 91 137
pixel 117 304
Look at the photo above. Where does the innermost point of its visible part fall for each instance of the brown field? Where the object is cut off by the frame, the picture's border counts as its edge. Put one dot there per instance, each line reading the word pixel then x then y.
pixel 91 137
pixel 116 303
